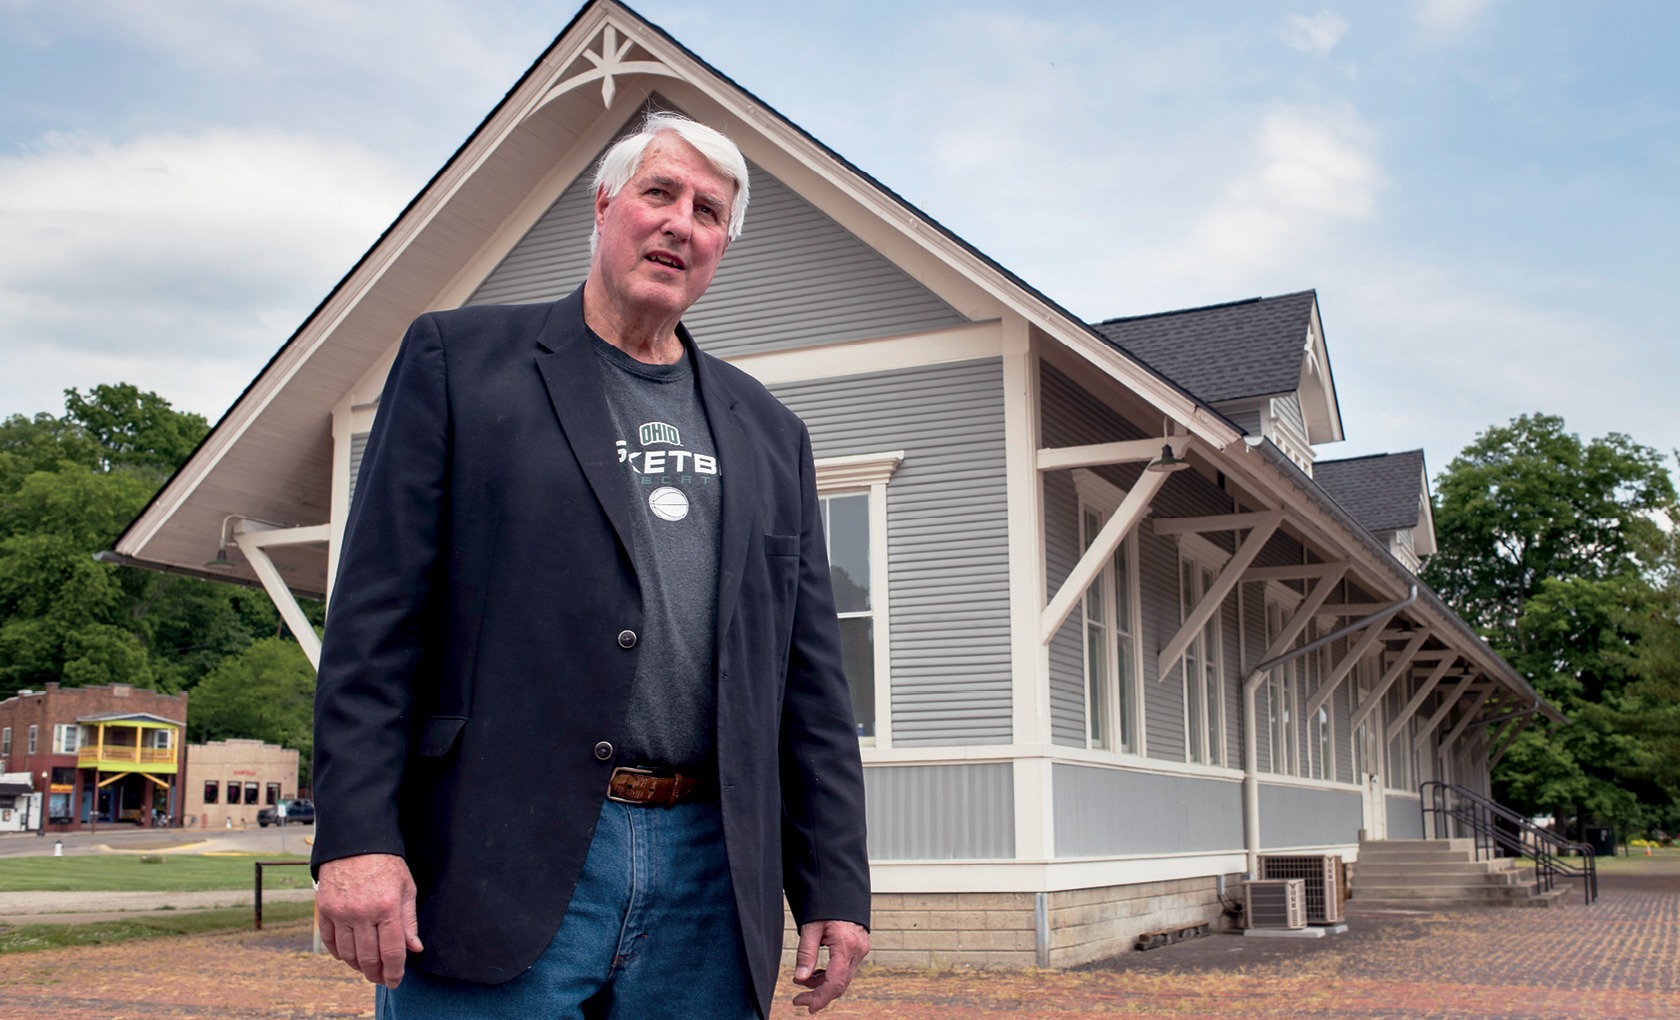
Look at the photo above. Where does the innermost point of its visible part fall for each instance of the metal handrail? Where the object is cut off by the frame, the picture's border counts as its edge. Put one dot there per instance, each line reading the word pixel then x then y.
pixel 1493 825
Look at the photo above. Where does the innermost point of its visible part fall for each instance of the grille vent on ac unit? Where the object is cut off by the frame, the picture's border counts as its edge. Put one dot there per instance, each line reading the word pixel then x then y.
pixel 1275 903
pixel 1323 876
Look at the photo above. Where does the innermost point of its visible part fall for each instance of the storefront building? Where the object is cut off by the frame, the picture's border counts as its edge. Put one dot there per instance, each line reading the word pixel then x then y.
pixel 102 755
pixel 229 781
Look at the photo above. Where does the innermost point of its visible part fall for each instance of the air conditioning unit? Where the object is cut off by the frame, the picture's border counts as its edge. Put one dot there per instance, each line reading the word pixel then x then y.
pixel 1325 876
pixel 1275 903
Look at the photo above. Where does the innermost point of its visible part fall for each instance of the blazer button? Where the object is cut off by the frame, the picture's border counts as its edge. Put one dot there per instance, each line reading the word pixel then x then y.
pixel 626 639
pixel 603 750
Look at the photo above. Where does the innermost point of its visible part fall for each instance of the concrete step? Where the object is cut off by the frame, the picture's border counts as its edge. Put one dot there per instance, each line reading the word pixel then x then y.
pixel 1458 881
pixel 1453 867
pixel 1486 894
pixel 1437 861
pixel 1418 853
pixel 1385 845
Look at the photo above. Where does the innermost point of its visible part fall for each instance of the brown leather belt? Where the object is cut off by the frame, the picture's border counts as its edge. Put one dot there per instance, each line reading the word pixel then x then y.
pixel 648 788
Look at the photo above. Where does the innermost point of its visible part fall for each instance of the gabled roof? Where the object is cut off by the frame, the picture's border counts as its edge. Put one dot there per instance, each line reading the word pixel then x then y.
pixel 1250 348
pixel 1381 491
pixel 270 458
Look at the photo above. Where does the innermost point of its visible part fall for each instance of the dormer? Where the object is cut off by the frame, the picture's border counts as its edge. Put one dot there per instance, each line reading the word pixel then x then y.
pixel 1261 362
pixel 1388 494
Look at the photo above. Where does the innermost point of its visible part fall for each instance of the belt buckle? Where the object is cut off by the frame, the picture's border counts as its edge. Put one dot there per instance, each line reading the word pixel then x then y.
pixel 627 770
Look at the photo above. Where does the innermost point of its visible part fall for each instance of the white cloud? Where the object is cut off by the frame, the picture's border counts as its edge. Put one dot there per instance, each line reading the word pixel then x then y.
pixel 1438 352
pixel 1316 34
pixel 1310 178
pixel 206 248
pixel 1451 17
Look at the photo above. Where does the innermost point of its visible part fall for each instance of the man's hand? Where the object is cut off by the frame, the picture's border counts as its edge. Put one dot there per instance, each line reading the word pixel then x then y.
pixel 366 910
pixel 847 944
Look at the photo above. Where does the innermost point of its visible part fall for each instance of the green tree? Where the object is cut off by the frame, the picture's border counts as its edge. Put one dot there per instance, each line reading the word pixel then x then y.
pixel 68 486
pixel 135 429
pixel 42 443
pixel 266 692
pixel 1552 548
pixel 1529 501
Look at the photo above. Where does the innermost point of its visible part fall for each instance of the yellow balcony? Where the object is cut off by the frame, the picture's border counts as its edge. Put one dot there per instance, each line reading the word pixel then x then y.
pixel 127 759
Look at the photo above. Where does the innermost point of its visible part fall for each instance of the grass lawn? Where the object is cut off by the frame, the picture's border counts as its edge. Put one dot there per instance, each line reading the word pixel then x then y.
pixel 1663 859
pixel 27 938
pixel 131 873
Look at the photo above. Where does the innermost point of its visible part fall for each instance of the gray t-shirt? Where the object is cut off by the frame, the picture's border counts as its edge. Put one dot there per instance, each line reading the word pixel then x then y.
pixel 676 500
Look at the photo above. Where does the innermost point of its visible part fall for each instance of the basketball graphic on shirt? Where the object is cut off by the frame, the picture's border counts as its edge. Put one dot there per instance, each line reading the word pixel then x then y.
pixel 668 504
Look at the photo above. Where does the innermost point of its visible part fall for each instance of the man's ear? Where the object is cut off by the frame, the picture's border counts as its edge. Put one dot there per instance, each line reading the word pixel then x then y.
pixel 601 203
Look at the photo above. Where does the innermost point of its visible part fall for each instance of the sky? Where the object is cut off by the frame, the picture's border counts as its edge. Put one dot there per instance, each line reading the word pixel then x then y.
pixel 1484 193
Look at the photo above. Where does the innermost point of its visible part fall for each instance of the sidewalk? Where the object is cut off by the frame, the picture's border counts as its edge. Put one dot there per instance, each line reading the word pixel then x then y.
pixel 1619 959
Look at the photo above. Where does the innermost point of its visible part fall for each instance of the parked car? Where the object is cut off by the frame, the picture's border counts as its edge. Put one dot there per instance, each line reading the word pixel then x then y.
pixel 297 812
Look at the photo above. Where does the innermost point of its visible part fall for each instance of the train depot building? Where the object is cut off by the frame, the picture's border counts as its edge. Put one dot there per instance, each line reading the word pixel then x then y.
pixel 1110 636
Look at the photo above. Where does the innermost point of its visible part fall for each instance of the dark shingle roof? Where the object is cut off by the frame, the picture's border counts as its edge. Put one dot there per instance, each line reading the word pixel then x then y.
pixel 1380 491
pixel 1251 348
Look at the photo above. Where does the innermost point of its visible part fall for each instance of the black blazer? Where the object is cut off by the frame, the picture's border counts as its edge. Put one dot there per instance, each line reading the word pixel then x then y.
pixel 474 663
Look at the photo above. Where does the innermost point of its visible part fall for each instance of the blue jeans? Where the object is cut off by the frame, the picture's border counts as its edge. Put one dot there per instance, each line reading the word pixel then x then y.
pixel 651 931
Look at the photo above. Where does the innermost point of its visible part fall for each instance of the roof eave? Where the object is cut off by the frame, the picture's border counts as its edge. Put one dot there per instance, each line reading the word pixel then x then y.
pixel 1467 642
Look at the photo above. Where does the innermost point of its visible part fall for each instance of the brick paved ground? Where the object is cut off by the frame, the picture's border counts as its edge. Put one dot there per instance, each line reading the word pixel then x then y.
pixel 1619 959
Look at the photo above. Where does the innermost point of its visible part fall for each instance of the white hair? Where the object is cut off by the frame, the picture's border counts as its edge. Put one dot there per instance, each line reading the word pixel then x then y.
pixel 624 158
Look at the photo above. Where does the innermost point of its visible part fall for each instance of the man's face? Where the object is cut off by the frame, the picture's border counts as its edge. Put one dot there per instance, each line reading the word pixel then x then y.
pixel 662 235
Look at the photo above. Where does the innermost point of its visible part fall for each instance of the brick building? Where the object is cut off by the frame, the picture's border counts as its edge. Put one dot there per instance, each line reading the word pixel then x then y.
pixel 102 755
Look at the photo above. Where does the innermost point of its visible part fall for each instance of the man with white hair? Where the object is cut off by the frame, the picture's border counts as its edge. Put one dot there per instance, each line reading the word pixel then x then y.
pixel 581 719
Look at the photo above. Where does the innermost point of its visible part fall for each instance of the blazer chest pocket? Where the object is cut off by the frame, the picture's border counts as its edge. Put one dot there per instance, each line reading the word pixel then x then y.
pixel 439 733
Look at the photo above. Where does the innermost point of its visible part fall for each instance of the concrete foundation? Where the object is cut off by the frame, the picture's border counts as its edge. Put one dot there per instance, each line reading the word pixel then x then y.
pixel 931 930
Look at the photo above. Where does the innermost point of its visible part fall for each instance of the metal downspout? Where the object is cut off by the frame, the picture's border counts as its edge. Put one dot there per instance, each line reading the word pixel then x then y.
pixel 1251 745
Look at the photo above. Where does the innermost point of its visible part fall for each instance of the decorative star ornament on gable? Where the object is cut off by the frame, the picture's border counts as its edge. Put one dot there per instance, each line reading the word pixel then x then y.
pixel 608 56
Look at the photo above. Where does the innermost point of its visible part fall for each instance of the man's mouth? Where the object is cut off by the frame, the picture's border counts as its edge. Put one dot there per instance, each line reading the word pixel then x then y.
pixel 665 259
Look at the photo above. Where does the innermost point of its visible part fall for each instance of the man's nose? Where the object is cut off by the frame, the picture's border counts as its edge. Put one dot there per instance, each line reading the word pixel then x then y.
pixel 679 218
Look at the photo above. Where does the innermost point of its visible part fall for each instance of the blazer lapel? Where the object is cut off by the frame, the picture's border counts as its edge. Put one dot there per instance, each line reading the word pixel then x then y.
pixel 572 377
pixel 739 458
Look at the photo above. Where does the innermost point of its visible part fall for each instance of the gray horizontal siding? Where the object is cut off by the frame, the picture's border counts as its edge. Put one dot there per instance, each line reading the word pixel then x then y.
pixel 358 447
pixel 795 277
pixel 940 812
pixel 1247 419
pixel 1186 494
pixel 1072 417
pixel 1288 410
pixel 947 537
pixel 1107 812
pixel 1405 819
pixel 1293 816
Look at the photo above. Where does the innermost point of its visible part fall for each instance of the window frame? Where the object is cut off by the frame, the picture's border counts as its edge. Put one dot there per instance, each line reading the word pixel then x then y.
pixel 212 791
pixel 1399 766
pixel 1282 686
pixel 868 474
pixel 1206 561
pixel 1365 753
pixel 63 730
pixel 1321 729
pixel 34 738
pixel 1118 712
pixel 5 742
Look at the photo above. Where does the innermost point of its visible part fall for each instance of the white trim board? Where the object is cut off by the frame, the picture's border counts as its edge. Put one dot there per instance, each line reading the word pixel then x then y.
pixel 1048 876
pixel 972 342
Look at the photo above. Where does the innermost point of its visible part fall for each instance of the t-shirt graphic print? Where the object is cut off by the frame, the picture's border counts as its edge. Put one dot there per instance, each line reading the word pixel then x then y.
pixel 671 471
